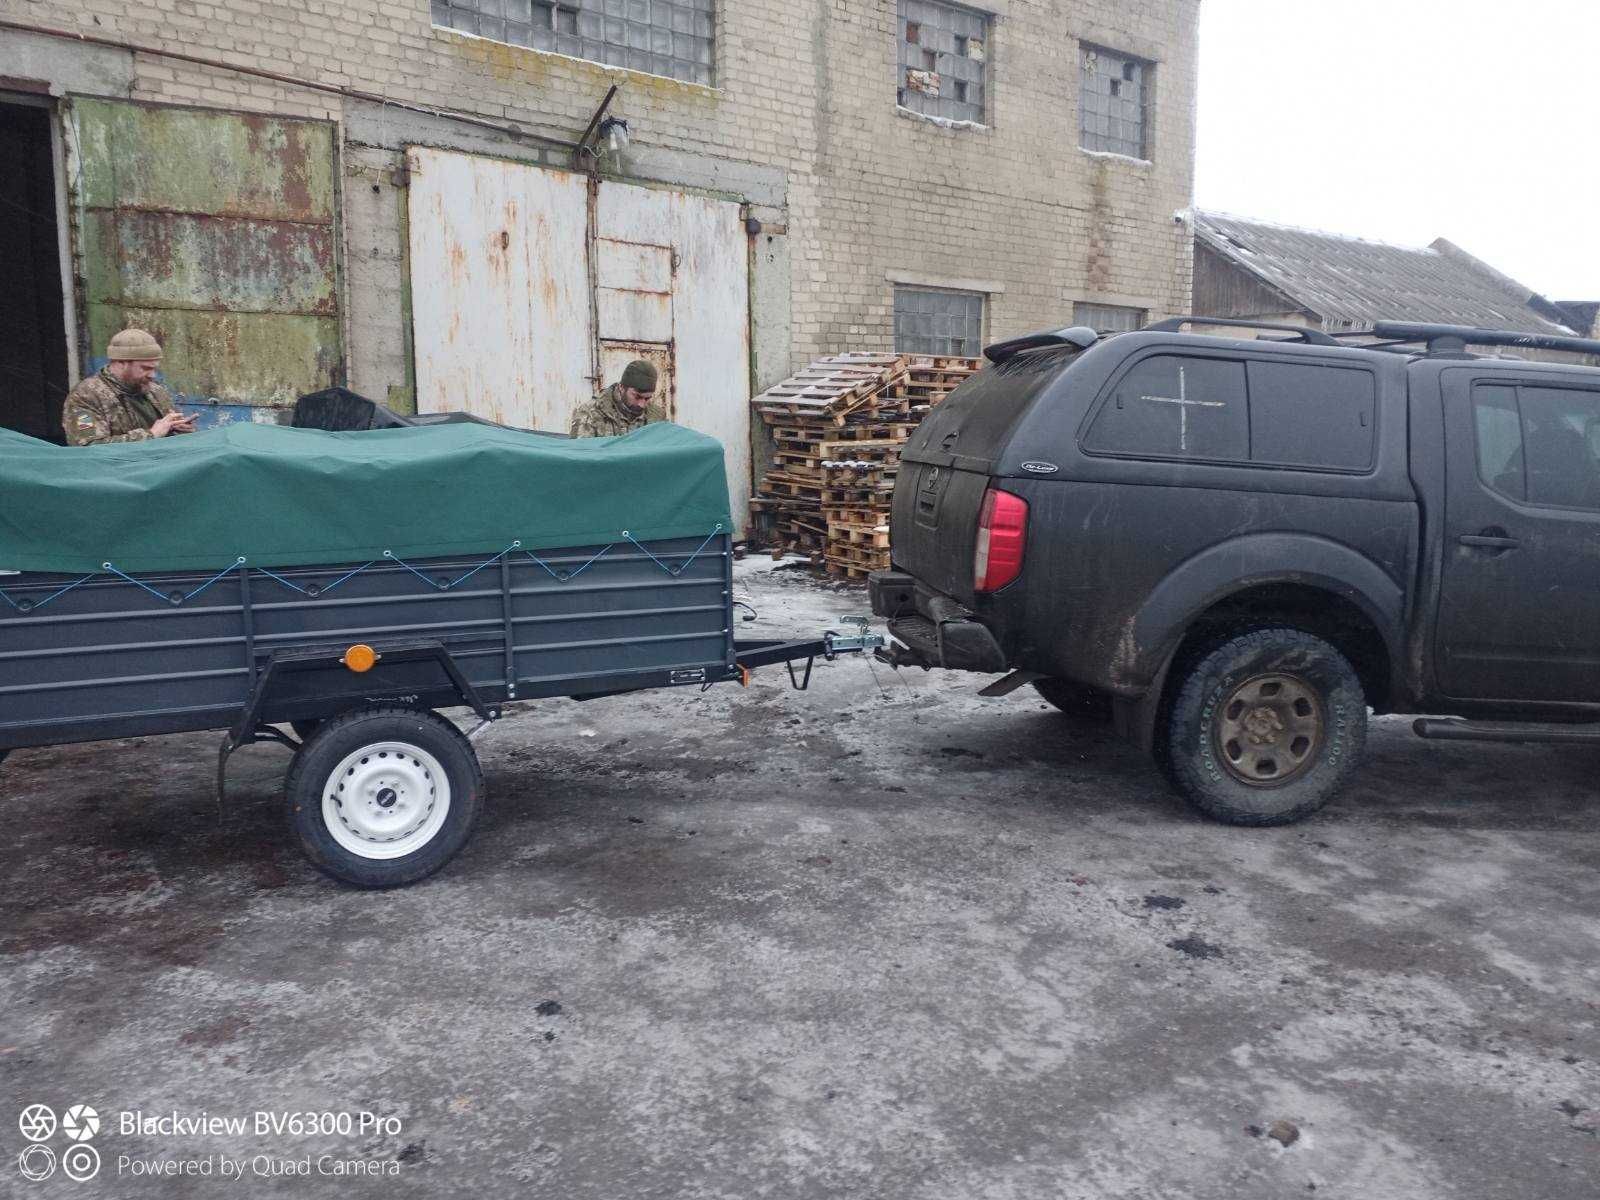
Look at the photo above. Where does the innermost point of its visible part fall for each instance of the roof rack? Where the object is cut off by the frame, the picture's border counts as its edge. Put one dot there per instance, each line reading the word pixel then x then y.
pixel 1311 337
pixel 1080 336
pixel 1454 339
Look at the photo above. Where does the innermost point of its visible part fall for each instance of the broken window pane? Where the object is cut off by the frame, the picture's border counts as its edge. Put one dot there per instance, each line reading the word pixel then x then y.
pixel 1113 102
pixel 659 36
pixel 940 44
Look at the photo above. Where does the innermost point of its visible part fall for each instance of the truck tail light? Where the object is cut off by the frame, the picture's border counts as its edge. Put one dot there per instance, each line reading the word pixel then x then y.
pixel 1002 531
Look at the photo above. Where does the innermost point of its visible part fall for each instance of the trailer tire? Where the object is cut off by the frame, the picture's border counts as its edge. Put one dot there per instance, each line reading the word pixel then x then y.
pixel 380 798
pixel 1263 729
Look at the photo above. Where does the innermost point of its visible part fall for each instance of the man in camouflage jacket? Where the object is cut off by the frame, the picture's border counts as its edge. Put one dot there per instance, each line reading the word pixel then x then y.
pixel 623 407
pixel 123 403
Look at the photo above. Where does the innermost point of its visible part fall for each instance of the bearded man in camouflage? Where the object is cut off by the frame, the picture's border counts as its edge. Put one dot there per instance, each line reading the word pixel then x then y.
pixel 123 403
pixel 623 407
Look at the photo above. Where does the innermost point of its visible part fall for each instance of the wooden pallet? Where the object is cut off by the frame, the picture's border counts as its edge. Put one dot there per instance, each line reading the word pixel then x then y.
pixel 874 557
pixel 852 515
pixel 849 570
pixel 866 536
pixel 838 428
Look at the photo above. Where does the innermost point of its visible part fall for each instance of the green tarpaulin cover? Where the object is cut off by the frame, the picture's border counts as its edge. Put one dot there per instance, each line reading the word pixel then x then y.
pixel 282 497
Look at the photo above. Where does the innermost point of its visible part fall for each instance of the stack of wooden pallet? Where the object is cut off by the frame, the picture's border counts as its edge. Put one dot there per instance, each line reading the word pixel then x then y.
pixel 837 429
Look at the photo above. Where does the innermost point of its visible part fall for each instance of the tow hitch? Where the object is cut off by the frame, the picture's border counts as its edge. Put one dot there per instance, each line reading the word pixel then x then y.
pixel 834 642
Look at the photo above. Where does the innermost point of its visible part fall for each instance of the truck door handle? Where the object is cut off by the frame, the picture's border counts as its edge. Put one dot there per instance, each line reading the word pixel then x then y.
pixel 1488 541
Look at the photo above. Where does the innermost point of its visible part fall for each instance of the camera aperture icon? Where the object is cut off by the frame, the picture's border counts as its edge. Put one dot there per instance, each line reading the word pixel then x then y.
pixel 80 1122
pixel 37 1163
pixel 37 1122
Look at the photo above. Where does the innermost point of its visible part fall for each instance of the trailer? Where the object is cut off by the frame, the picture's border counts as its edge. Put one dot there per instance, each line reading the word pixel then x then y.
pixel 348 655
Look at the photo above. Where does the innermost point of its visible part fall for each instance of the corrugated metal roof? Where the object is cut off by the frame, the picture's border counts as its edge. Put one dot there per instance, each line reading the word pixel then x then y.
pixel 1350 282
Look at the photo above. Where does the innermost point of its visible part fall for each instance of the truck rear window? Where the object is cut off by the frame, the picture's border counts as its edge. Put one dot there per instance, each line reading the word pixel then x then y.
pixel 1311 416
pixel 1205 409
pixel 1175 406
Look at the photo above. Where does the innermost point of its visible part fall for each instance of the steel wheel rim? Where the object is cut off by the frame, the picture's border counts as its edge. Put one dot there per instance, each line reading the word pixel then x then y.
pixel 386 800
pixel 1270 730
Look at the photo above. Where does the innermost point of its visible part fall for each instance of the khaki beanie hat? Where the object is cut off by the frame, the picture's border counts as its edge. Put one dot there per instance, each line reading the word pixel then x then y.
pixel 133 345
pixel 640 375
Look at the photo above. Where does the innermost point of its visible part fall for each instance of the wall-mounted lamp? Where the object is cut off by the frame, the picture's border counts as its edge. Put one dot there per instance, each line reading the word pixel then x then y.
pixel 614 132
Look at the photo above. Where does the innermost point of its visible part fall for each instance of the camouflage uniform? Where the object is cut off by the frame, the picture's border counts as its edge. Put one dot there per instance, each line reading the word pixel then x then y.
pixel 102 409
pixel 609 415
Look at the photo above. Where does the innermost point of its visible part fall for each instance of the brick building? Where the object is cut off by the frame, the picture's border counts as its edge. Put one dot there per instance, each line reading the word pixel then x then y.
pixel 390 194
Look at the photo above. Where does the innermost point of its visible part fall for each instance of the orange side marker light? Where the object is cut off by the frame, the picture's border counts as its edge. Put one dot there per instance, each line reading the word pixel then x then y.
pixel 360 658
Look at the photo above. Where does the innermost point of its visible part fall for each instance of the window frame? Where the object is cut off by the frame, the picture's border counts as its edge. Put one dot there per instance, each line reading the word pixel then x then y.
pixel 1108 390
pixel 1147 89
pixel 897 289
pixel 699 14
pixel 1143 314
pixel 984 81
pixel 1519 384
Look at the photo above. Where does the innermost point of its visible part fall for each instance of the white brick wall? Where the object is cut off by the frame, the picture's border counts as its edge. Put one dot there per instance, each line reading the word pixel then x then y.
pixel 804 89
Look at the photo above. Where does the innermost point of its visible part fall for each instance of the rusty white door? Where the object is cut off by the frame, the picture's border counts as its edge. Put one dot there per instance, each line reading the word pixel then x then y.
pixel 633 311
pixel 672 276
pixel 500 309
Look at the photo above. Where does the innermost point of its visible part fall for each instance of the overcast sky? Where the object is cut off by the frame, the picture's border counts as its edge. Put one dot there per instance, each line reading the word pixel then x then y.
pixel 1407 120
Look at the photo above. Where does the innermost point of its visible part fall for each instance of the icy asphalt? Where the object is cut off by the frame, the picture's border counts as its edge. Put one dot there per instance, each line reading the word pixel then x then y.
pixel 882 938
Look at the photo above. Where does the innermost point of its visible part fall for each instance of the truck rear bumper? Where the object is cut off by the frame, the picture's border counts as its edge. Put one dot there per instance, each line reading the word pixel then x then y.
pixel 938 631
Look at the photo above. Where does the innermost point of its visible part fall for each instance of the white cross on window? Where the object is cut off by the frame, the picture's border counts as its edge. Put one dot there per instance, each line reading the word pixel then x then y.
pixel 1184 405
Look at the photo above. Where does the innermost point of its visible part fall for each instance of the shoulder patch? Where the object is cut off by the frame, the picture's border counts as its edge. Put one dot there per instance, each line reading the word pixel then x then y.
pixel 84 421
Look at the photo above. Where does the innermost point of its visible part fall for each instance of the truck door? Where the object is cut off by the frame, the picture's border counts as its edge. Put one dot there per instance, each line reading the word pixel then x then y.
pixel 1519 610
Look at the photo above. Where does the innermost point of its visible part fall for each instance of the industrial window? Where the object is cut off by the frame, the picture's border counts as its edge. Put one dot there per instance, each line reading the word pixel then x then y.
pixel 662 37
pixel 943 48
pixel 1113 103
pixel 927 321
pixel 1108 318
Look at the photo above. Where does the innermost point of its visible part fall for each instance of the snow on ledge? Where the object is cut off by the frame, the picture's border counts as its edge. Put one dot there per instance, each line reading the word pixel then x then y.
pixel 1114 157
pixel 941 122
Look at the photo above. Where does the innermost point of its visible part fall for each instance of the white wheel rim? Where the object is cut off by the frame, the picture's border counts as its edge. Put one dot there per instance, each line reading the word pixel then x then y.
pixel 386 800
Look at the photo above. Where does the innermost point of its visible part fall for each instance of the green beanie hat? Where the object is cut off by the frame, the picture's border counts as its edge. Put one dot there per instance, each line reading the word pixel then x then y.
pixel 640 375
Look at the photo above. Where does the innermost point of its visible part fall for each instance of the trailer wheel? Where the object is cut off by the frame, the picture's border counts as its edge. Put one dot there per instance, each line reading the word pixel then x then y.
pixel 1264 729
pixel 384 797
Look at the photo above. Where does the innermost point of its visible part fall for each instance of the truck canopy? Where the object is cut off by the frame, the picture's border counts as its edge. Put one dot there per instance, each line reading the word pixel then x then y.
pixel 277 496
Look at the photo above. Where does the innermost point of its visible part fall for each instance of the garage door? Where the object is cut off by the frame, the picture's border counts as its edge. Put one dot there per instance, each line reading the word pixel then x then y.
pixel 216 231
pixel 532 288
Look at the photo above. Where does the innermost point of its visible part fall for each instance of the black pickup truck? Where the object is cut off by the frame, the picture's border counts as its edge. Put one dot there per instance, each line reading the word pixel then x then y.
pixel 1241 546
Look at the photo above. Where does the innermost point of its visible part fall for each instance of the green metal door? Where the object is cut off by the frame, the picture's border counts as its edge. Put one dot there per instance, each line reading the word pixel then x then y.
pixel 216 231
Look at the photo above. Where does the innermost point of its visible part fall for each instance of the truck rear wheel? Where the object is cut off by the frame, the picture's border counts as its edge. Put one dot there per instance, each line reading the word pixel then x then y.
pixel 383 797
pixel 1264 729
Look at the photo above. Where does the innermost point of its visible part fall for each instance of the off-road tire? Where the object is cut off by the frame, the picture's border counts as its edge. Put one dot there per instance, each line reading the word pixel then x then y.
pixel 1075 699
pixel 1194 753
pixel 434 761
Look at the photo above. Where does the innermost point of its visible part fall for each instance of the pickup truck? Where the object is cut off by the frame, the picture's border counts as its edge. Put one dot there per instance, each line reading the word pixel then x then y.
pixel 1240 546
